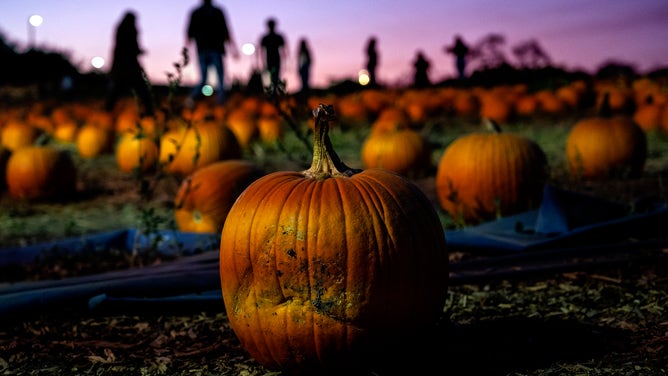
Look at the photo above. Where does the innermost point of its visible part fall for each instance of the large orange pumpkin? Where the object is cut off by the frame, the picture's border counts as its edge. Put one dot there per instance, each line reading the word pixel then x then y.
pixel 205 197
pixel 482 176
pixel 40 172
pixel 318 267
pixel 606 146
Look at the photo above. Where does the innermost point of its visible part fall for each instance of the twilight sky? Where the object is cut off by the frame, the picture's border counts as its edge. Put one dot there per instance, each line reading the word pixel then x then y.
pixel 575 33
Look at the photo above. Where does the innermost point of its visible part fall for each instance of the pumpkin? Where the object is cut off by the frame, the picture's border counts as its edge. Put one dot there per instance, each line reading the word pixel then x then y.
pixel 40 172
pixel 17 134
pixel 390 119
pixel 205 197
pixel 648 114
pixel 136 152
pixel 93 140
pixel 244 125
pixel 606 146
pixel 495 106
pixel 270 128
pixel 598 148
pixel 485 175
pixel 404 151
pixel 318 266
pixel 184 150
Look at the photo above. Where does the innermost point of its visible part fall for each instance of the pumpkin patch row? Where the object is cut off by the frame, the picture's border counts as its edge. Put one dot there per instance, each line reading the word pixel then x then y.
pixel 398 122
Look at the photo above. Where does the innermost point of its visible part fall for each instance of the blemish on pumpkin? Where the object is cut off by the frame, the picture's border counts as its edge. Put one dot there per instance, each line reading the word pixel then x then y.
pixel 291 252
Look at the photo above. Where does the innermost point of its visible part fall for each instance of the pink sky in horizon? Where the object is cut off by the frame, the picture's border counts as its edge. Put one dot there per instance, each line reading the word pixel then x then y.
pixel 575 33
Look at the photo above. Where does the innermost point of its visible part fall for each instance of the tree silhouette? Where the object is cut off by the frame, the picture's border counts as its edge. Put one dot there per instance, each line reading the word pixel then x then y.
pixel 531 55
pixel 487 54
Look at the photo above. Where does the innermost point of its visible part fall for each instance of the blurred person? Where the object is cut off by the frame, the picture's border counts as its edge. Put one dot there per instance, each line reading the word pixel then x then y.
pixel 126 74
pixel 421 66
pixel 460 50
pixel 273 51
pixel 207 26
pixel 372 60
pixel 304 67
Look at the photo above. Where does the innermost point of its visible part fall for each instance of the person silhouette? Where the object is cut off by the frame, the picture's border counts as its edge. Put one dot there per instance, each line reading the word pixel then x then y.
pixel 304 67
pixel 126 73
pixel 273 50
pixel 207 26
pixel 421 65
pixel 460 50
pixel 372 60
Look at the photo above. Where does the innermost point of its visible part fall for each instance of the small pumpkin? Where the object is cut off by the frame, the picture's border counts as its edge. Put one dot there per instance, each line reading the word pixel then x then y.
pixel 17 134
pixel 318 266
pixel 40 172
pixel 93 140
pixel 243 122
pixel 606 146
pixel 482 176
pixel 136 152
pixel 205 197
pixel 404 151
pixel 186 149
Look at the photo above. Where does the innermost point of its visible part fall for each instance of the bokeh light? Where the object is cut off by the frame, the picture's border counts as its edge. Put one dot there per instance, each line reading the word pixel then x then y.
pixel 363 77
pixel 248 49
pixel 97 62
pixel 35 20
pixel 207 90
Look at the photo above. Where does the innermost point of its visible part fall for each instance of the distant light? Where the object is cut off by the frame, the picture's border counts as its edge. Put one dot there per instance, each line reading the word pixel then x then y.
pixel 363 77
pixel 207 90
pixel 248 49
pixel 97 62
pixel 35 20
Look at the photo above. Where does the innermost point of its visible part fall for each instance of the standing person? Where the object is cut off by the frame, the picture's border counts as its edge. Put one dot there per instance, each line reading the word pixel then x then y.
pixel 421 65
pixel 207 26
pixel 461 51
pixel 273 51
pixel 304 67
pixel 126 73
pixel 372 60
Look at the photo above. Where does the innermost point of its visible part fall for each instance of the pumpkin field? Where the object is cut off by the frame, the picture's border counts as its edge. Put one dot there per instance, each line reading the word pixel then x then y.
pixel 421 162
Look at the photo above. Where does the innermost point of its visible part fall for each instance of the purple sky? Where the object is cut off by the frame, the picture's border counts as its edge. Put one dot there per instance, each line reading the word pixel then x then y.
pixel 575 33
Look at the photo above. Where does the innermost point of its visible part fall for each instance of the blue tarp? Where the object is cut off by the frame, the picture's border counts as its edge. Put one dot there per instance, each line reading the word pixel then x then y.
pixel 565 220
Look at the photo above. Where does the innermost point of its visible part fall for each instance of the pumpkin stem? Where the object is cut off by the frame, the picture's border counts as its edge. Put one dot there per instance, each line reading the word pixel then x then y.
pixel 326 162
pixel 491 125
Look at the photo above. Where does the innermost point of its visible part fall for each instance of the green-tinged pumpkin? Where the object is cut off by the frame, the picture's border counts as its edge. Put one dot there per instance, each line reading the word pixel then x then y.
pixel 606 146
pixel 205 197
pixel 318 267
pixel 482 176
pixel 40 172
